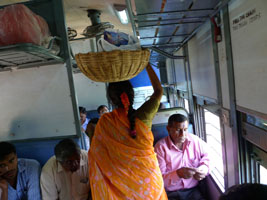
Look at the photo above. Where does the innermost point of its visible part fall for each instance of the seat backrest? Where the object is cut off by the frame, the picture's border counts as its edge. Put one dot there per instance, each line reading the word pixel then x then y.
pixel 90 114
pixel 159 131
pixel 40 150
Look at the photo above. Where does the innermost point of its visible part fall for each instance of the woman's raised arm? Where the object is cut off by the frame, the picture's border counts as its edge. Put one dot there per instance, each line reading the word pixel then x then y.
pixel 158 91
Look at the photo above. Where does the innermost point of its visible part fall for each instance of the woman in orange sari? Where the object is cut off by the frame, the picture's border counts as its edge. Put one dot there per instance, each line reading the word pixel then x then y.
pixel 123 164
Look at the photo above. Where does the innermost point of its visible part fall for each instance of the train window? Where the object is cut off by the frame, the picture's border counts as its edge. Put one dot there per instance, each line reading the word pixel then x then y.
pixel 186 105
pixel 256 121
pixel 263 175
pixel 213 137
pixel 141 95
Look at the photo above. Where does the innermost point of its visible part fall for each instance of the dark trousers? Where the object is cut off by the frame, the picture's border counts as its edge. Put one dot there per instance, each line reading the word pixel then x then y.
pixel 186 194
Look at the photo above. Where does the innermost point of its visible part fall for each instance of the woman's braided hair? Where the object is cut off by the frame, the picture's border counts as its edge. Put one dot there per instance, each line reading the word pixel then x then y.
pixel 117 92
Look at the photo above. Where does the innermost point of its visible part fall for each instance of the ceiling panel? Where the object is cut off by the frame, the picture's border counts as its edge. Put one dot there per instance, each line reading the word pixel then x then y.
pixel 177 17
pixel 147 42
pixel 178 39
pixel 147 32
pixel 177 5
pixel 203 4
pixel 174 16
pixel 148 6
pixel 182 29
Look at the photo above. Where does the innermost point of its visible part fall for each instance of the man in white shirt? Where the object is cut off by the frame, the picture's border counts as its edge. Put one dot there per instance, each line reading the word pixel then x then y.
pixel 84 122
pixel 65 175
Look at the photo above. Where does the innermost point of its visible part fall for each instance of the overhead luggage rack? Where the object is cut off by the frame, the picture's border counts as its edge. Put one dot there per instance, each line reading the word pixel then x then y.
pixel 30 55
pixel 26 55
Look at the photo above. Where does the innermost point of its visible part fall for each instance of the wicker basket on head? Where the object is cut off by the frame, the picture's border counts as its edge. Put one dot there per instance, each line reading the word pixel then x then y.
pixel 112 66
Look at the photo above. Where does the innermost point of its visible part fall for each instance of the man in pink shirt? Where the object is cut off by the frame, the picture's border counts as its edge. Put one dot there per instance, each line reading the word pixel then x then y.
pixel 183 160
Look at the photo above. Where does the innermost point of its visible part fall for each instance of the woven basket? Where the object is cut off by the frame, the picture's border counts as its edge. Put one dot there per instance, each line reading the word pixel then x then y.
pixel 112 66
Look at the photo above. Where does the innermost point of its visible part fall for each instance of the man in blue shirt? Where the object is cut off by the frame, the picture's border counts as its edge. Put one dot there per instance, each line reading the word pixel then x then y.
pixel 22 175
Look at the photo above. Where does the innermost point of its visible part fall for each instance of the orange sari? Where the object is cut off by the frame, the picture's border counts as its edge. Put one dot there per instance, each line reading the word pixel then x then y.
pixel 122 167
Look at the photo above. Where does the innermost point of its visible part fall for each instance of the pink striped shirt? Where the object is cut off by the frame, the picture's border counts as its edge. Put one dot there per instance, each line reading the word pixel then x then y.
pixel 170 158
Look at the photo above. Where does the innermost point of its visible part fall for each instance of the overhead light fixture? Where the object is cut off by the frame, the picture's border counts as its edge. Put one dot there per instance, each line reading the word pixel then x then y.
pixel 121 13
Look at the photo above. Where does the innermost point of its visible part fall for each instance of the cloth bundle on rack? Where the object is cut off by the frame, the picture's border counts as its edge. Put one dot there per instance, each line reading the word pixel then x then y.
pixel 18 24
pixel 116 40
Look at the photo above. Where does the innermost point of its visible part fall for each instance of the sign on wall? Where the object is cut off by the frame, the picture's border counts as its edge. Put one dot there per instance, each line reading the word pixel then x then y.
pixel 249 44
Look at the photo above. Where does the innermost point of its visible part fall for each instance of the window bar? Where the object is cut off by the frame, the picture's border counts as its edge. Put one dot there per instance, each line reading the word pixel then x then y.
pixel 196 119
pixel 247 163
pixel 257 169
pixel 253 167
pixel 203 127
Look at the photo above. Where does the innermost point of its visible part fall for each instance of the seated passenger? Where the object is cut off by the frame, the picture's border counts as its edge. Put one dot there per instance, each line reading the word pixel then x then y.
pixel 246 191
pixel 102 110
pixel 65 175
pixel 83 119
pixel 91 128
pixel 183 160
pixel 84 123
pixel 21 176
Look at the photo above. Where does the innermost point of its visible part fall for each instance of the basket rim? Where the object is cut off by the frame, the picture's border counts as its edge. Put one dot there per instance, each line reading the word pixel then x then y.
pixel 115 51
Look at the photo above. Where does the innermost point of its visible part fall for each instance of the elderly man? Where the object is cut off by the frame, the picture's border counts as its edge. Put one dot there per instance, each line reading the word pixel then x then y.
pixel 19 178
pixel 183 160
pixel 65 175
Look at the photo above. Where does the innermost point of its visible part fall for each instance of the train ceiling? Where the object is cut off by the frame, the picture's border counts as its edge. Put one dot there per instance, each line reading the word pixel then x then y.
pixel 162 24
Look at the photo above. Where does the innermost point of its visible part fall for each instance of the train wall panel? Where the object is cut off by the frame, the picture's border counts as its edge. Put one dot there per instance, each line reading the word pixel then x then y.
pixel 223 71
pixel 201 62
pixel 36 103
pixel 89 94
pixel 249 44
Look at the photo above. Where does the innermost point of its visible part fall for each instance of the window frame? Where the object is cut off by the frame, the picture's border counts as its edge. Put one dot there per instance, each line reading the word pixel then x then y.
pixel 200 124
pixel 216 178
pixel 254 152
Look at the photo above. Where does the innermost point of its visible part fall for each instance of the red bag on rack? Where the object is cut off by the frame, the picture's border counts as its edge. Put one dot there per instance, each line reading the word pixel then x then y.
pixel 18 24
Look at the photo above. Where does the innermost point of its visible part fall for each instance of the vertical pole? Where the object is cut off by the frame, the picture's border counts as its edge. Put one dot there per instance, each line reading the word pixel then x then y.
pixel 131 16
pixel 233 113
pixel 61 29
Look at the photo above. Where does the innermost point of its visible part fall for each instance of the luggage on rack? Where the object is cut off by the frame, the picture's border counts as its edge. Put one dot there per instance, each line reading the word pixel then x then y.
pixel 18 24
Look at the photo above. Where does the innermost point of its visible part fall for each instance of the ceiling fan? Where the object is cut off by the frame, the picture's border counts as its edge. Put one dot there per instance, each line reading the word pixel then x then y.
pixel 97 28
